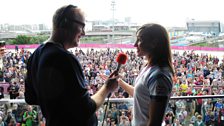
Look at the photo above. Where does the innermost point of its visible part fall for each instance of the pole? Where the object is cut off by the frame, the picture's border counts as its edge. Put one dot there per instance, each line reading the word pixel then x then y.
pixel 113 9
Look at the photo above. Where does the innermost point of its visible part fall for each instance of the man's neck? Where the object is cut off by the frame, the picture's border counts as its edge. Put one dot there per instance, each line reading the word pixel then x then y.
pixel 56 42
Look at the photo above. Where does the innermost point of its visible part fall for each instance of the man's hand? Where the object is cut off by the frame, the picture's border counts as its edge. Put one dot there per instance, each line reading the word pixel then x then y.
pixel 111 81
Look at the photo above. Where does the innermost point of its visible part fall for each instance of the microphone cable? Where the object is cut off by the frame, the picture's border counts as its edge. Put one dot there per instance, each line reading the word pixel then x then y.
pixel 105 110
pixel 121 59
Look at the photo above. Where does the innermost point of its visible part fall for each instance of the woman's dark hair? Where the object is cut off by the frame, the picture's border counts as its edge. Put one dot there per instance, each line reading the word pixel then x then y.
pixel 157 44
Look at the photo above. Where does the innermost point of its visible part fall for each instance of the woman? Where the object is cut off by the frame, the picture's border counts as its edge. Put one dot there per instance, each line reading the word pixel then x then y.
pixel 153 85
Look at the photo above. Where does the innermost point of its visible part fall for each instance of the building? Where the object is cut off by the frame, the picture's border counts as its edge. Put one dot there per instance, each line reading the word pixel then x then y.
pixel 120 27
pixel 175 32
pixel 206 27
pixel 98 28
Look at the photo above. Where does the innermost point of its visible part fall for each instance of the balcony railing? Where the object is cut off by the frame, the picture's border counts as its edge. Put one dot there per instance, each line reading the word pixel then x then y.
pixel 126 99
pixel 185 111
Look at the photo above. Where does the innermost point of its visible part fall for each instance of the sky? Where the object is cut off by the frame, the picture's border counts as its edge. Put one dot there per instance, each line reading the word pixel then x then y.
pixel 170 13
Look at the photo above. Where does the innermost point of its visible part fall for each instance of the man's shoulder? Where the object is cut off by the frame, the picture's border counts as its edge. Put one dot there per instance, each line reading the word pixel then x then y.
pixel 49 50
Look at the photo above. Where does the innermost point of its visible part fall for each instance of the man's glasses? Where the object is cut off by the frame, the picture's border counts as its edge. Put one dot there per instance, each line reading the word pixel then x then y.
pixel 78 22
pixel 63 16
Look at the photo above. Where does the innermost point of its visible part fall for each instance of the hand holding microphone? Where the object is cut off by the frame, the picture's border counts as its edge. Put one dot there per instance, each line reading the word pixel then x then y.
pixel 121 59
pixel 111 82
pixel 112 79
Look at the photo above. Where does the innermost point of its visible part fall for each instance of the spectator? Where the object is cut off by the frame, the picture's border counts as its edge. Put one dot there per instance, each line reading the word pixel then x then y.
pixel 9 117
pixel 1 122
pixel 30 117
pixel 13 90
pixel 199 121
pixel 1 92
pixel 124 121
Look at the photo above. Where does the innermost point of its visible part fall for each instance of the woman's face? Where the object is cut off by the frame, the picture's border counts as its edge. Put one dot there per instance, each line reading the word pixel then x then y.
pixel 140 46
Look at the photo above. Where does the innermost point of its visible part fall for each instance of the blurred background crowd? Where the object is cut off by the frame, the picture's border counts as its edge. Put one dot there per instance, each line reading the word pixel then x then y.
pixel 196 74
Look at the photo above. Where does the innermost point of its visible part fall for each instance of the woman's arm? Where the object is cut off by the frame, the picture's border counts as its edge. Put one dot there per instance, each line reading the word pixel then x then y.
pixel 128 88
pixel 160 92
pixel 157 109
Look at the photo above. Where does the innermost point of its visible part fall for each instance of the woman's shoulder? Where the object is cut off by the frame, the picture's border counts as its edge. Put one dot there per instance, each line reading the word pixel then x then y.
pixel 159 74
pixel 157 71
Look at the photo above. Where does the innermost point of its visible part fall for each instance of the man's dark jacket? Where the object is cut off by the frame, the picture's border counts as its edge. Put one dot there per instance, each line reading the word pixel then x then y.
pixel 55 81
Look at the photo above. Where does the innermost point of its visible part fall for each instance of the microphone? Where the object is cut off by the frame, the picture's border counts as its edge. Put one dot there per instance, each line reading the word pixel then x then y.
pixel 121 59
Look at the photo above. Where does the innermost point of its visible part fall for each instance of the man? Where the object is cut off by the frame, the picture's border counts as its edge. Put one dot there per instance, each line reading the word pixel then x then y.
pixel 13 90
pixel 2 52
pixel 55 79
pixel 30 116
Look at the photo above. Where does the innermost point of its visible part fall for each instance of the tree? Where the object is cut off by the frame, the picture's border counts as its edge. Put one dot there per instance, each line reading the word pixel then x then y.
pixel 24 39
pixel 21 39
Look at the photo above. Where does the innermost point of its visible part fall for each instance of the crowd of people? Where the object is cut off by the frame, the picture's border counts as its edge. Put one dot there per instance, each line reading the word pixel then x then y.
pixel 195 75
